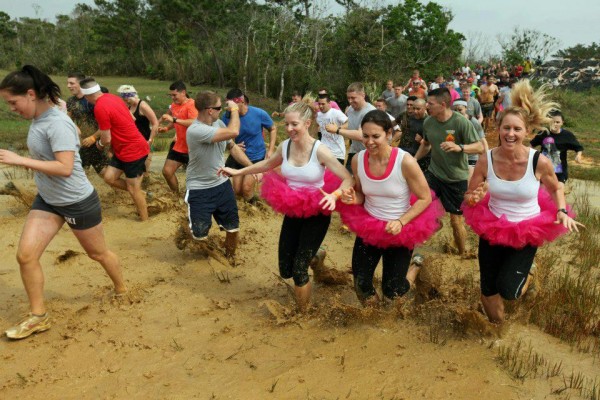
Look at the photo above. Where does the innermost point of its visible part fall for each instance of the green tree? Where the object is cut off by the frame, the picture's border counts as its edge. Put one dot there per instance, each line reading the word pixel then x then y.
pixel 523 43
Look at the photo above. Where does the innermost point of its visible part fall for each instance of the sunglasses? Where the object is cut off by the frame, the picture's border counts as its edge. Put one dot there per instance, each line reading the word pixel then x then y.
pixel 214 108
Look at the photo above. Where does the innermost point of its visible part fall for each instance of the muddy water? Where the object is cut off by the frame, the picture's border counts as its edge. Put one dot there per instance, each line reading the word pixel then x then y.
pixel 196 327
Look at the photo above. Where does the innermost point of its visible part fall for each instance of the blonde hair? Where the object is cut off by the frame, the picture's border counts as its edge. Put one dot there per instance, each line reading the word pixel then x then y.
pixel 304 110
pixel 532 106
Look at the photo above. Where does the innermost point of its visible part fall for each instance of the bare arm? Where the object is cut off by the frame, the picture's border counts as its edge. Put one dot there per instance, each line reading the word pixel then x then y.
pixel 233 127
pixel 326 158
pixel 149 113
pixel 419 187
pixel 344 131
pixel 262 166
pixel 62 166
pixel 424 149
pixel 473 148
pixel 238 154
pixel 545 173
pixel 272 140
pixel 354 195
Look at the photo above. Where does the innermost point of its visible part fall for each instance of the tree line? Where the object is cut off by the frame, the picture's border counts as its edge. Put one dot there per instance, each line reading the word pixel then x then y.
pixel 272 47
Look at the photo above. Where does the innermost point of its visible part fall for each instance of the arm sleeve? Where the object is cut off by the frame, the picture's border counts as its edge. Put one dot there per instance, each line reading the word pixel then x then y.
pixel 102 118
pixel 469 135
pixel 62 137
pixel 201 133
pixel 265 120
pixel 574 143
pixel 341 118
pixel 536 141
pixel 192 112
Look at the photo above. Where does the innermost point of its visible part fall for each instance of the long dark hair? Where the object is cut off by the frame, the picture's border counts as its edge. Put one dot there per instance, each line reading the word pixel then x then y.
pixel 29 77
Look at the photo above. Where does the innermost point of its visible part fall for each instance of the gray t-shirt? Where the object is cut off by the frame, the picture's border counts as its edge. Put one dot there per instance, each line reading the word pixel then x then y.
pixel 397 105
pixel 206 157
pixel 473 107
pixel 354 120
pixel 386 94
pixel 481 133
pixel 52 132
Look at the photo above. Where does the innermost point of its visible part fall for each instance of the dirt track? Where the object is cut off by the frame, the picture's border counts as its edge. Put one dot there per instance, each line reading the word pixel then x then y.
pixel 194 327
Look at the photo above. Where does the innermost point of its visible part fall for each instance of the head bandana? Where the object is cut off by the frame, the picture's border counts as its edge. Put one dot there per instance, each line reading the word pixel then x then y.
pixel 92 90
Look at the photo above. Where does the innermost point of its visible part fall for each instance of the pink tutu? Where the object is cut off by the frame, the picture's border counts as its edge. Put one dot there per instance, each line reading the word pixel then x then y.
pixel 297 203
pixel 372 230
pixel 499 231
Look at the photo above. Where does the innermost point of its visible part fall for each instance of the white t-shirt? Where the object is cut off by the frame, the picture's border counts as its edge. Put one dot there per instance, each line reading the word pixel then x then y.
pixel 334 142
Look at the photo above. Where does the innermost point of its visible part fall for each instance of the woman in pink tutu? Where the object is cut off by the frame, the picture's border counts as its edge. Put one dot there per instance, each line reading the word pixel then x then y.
pixel 301 193
pixel 506 207
pixel 379 209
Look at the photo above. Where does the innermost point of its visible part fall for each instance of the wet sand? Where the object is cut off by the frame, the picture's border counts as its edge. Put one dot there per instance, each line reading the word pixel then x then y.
pixel 193 326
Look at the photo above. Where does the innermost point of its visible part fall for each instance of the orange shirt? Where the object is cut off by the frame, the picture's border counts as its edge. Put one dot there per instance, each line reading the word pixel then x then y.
pixel 420 93
pixel 187 110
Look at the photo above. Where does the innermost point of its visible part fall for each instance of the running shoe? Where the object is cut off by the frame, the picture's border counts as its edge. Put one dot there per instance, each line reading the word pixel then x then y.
pixel 29 326
pixel 418 260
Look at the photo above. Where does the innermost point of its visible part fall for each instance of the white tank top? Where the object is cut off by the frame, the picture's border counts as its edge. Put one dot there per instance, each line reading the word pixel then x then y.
pixel 517 200
pixel 386 197
pixel 309 175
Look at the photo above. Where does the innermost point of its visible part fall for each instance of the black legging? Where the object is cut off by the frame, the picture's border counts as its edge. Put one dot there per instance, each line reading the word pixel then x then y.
pixel 503 270
pixel 396 261
pixel 299 242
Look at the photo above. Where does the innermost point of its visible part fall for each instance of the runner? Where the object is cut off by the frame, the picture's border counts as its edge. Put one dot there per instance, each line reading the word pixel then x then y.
pixel 82 113
pixel 356 111
pixel 181 115
pixel 145 118
pixel 449 137
pixel 487 94
pixel 118 130
pixel 209 194
pixel 329 115
pixel 385 177
pixel 555 145
pixel 515 217
pixel 64 192
pixel 461 107
pixel 253 121
pixel 300 195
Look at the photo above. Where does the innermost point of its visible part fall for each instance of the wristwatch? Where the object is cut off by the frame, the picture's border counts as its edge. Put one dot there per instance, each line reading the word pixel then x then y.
pixel 462 148
pixel 562 210
pixel 174 120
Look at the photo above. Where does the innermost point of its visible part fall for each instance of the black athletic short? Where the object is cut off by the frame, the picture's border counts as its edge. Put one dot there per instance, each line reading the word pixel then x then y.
pixel 471 162
pixel 232 163
pixel 84 214
pixel 218 202
pixel 182 158
pixel 131 169
pixel 503 270
pixel 92 156
pixel 487 109
pixel 451 194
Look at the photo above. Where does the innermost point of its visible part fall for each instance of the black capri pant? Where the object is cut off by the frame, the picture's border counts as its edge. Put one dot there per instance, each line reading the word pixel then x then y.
pixel 299 242
pixel 503 270
pixel 396 261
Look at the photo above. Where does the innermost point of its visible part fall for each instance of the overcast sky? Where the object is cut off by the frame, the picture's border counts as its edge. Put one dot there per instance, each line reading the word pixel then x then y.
pixel 572 22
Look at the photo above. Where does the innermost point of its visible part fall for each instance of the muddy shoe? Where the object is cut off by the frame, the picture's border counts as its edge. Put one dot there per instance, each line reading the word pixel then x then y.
pixel 418 260
pixel 29 326
pixel 318 260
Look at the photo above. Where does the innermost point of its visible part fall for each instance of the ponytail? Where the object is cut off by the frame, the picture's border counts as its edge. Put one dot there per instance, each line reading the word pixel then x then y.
pixel 29 77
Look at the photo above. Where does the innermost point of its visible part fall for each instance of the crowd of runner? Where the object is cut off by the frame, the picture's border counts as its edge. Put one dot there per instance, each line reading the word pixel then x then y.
pixel 418 152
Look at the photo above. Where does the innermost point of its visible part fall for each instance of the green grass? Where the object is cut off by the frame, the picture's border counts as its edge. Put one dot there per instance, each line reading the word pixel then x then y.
pixel 13 128
pixel 579 109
